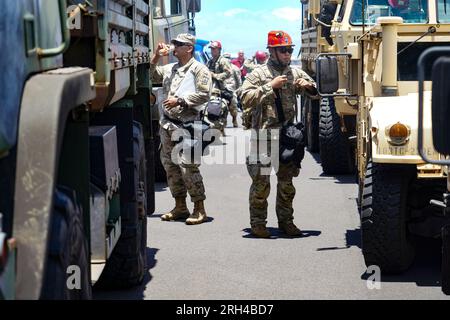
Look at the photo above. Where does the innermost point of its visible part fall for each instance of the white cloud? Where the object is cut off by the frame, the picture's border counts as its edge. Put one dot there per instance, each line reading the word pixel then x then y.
pixel 233 12
pixel 287 13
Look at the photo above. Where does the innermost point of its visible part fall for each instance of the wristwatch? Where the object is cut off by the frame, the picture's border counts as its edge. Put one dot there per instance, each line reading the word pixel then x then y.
pixel 181 102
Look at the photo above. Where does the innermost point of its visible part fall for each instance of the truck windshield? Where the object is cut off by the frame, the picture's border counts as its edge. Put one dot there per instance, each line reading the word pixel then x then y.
pixel 412 11
pixel 443 8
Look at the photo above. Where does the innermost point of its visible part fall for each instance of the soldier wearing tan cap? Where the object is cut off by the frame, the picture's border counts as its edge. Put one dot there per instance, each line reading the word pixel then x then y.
pixel 185 177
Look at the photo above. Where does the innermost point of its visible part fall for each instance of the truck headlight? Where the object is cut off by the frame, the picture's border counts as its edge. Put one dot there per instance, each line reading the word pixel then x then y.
pixel 398 134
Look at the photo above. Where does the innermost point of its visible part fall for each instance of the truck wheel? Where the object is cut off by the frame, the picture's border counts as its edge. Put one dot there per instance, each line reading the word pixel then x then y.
pixel 385 237
pixel 126 266
pixel 312 126
pixel 67 247
pixel 335 150
pixel 445 281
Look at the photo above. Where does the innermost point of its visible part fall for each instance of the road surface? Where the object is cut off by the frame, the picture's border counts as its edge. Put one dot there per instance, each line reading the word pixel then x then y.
pixel 220 260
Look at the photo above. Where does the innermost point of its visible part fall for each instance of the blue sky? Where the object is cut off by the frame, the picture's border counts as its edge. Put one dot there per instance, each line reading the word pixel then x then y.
pixel 244 24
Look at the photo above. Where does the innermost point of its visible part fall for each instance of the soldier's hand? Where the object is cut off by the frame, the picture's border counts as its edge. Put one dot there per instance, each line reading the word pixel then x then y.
pixel 278 82
pixel 163 49
pixel 157 55
pixel 170 103
pixel 303 83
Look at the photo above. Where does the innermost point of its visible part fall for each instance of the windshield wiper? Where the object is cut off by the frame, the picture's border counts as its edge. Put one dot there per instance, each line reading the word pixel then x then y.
pixel 430 30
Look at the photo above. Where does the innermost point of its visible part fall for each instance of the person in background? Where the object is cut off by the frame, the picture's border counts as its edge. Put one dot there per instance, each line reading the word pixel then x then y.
pixel 221 70
pixel 259 58
pixel 239 62
pixel 234 83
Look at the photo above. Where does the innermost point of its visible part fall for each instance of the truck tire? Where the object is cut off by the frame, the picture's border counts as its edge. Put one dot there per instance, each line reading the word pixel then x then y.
pixel 126 266
pixel 312 126
pixel 67 247
pixel 335 149
pixel 386 241
pixel 445 281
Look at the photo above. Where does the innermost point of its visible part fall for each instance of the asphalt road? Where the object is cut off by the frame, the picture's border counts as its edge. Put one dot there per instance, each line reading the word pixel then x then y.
pixel 220 260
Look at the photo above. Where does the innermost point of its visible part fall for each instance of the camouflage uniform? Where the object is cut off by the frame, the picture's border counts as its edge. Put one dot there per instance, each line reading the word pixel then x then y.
pixel 250 65
pixel 185 177
pixel 221 70
pixel 235 80
pixel 258 96
pixel 233 83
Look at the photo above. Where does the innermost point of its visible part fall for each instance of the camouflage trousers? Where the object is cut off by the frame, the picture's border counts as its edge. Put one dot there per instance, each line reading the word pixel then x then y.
pixel 181 178
pixel 233 106
pixel 260 190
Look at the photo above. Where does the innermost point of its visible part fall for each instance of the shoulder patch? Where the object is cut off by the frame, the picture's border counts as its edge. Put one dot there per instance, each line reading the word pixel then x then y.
pixel 204 79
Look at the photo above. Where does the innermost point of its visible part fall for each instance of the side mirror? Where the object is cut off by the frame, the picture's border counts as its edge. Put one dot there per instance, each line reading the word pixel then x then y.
pixel 441 105
pixel 194 6
pixel 327 74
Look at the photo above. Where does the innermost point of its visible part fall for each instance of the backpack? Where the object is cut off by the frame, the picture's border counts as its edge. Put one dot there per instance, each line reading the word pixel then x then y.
pixel 214 109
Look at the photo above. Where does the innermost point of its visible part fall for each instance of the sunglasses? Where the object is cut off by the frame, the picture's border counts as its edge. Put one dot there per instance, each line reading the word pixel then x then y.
pixel 180 44
pixel 289 50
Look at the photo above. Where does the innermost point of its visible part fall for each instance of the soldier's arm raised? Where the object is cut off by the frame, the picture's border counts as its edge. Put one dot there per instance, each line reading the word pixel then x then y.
pixel 156 72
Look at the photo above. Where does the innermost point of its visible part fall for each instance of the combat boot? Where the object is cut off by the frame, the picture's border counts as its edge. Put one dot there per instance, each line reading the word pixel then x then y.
pixel 179 212
pixel 290 229
pixel 235 123
pixel 199 214
pixel 260 231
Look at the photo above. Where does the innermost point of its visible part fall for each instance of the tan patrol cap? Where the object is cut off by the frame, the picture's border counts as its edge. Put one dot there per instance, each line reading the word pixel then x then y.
pixel 185 38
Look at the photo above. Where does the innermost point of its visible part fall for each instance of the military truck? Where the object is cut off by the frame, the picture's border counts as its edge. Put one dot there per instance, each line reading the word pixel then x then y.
pixel 77 142
pixel 330 122
pixel 373 68
pixel 440 117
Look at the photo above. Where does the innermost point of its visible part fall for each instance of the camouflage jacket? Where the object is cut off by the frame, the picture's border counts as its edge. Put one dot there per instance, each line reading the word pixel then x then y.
pixel 171 76
pixel 250 65
pixel 258 96
pixel 220 70
pixel 234 82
